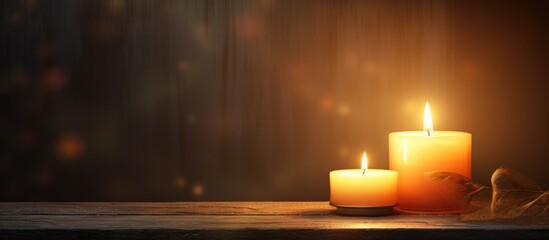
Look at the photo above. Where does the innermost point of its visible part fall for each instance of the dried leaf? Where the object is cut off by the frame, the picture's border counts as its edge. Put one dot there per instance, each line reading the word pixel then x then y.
pixel 513 197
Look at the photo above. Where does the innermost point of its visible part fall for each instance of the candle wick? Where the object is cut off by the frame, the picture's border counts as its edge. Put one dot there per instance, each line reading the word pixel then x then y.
pixel 428 132
pixel 363 170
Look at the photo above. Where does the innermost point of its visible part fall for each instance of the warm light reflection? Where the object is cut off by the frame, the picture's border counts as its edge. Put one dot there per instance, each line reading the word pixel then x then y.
pixel 183 66
pixel 343 151
pixel 405 152
pixel 180 182
pixel 54 79
pixel 69 147
pixel 198 190
pixel 364 165
pixel 427 120
pixel 344 109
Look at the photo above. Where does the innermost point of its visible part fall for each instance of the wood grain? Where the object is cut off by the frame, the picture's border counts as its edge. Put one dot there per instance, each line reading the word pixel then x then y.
pixel 235 220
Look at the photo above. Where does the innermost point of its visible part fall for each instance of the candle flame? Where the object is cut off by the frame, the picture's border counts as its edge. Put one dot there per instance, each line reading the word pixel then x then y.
pixel 364 165
pixel 427 120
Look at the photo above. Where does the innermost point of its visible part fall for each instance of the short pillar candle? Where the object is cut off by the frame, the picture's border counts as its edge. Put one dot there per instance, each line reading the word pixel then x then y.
pixel 363 187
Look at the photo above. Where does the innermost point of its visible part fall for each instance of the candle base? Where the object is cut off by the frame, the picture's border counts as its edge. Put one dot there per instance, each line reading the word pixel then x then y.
pixel 363 210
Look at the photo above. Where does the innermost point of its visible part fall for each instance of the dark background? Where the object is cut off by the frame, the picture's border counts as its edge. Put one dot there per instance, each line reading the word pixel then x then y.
pixel 258 100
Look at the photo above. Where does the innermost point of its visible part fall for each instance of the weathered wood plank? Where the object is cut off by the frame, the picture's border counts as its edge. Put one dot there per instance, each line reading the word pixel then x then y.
pixel 235 220
pixel 165 208
pixel 353 234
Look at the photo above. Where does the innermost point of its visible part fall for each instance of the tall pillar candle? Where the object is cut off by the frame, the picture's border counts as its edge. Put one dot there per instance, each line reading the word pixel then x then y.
pixel 414 153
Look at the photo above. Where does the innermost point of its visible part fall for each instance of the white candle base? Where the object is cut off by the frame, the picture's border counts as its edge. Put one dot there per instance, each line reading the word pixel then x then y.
pixel 364 210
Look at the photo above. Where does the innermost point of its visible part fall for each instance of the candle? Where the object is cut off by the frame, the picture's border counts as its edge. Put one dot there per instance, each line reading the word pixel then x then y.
pixel 363 187
pixel 415 153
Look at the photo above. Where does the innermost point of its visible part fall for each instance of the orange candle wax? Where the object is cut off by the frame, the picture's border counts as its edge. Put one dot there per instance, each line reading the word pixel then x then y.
pixel 415 153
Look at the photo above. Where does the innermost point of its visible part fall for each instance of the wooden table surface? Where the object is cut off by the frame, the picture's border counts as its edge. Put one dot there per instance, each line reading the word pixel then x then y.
pixel 235 220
